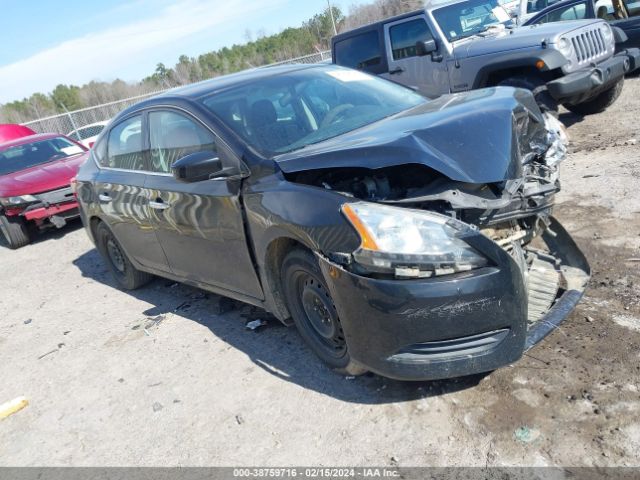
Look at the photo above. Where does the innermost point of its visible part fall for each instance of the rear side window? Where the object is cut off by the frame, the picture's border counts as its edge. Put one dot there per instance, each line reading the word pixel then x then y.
pixel 577 11
pixel 405 36
pixel 173 136
pixel 124 149
pixel 360 51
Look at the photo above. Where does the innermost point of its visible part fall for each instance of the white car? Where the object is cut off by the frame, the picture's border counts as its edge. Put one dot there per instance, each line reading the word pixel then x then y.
pixel 88 134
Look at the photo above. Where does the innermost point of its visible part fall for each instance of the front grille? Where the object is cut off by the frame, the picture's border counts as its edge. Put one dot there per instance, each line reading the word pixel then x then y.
pixel 589 46
pixel 54 197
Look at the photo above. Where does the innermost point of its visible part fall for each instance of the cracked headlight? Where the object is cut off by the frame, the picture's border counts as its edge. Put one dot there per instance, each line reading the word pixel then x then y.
pixel 411 243
pixel 20 200
pixel 565 47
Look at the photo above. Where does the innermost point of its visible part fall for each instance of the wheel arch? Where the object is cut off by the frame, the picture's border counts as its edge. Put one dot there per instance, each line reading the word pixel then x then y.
pixel 494 72
pixel 275 253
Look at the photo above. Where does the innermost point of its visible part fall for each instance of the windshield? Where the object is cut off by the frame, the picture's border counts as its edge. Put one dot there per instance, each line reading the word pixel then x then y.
pixel 287 112
pixel 464 19
pixel 21 157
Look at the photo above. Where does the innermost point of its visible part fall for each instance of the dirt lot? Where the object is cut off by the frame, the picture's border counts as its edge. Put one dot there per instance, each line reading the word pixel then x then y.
pixel 108 385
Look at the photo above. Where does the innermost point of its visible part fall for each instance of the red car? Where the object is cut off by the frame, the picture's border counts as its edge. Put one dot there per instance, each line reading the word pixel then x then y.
pixel 35 184
pixel 10 131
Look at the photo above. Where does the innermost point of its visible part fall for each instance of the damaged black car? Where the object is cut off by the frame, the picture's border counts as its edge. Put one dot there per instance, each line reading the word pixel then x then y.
pixel 409 237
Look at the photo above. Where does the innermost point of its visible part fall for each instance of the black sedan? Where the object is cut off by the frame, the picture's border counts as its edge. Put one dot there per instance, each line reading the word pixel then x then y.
pixel 624 14
pixel 409 237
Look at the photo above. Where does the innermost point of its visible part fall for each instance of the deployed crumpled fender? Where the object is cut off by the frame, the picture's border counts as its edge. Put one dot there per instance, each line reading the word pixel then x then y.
pixel 482 136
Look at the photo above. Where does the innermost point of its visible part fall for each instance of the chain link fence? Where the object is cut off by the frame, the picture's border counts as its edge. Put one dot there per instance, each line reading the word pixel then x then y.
pixel 67 122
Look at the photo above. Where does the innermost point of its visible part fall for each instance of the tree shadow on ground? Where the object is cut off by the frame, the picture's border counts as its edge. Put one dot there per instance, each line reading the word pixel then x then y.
pixel 274 348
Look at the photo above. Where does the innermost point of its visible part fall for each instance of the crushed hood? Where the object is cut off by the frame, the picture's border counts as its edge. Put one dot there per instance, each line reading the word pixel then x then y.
pixel 482 136
pixel 41 178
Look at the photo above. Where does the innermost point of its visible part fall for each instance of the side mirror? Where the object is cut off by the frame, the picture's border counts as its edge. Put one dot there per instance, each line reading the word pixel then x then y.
pixel 197 166
pixel 426 47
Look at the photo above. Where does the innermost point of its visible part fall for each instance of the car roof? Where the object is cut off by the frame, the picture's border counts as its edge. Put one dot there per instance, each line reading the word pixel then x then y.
pixel 374 25
pixel 206 87
pixel 30 139
pixel 197 90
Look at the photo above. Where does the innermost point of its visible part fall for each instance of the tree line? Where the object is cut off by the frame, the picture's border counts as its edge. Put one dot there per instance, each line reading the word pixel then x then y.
pixel 314 35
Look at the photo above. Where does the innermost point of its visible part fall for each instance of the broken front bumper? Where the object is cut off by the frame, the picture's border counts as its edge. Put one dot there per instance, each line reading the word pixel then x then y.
pixel 585 84
pixel 457 324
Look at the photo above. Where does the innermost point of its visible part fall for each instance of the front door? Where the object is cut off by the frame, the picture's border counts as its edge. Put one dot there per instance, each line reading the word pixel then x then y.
pixel 200 224
pixel 427 76
pixel 123 201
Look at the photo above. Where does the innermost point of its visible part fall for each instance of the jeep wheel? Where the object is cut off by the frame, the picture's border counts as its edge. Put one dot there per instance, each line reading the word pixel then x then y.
pixel 15 231
pixel 600 103
pixel 314 312
pixel 537 86
pixel 127 276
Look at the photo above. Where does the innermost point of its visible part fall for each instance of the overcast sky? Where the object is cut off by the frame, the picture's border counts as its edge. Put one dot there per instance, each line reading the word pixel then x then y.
pixel 45 43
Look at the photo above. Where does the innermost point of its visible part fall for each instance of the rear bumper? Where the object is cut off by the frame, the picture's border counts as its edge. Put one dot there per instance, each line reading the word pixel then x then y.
pixel 584 84
pixel 450 326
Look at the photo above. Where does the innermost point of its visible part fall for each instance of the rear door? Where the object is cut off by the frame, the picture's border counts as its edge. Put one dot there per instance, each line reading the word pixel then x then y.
pixel 199 225
pixel 405 66
pixel 123 200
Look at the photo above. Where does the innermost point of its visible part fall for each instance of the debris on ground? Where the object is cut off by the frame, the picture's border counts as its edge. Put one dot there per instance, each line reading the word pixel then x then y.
pixel 526 434
pixel 255 324
pixel 183 306
pixel 157 406
pixel 15 405
pixel 46 354
pixel 589 319
pixel 27 322
pixel 239 419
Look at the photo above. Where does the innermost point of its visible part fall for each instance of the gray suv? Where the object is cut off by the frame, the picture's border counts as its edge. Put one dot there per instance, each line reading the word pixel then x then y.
pixel 455 46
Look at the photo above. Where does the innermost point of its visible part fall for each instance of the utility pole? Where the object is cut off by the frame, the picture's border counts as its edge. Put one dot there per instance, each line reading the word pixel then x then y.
pixel 333 20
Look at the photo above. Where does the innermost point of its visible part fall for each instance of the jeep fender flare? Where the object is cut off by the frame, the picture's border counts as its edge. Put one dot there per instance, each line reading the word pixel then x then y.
pixel 552 60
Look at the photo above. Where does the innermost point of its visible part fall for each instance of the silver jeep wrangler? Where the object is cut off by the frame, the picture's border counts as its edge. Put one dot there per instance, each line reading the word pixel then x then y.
pixel 454 46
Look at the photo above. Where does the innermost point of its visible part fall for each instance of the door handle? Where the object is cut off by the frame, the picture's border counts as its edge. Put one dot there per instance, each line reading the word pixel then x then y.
pixel 158 204
pixel 105 197
pixel 396 71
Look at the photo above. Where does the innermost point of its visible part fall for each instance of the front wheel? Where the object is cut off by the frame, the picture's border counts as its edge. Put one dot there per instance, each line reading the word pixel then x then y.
pixel 314 312
pixel 127 276
pixel 600 103
pixel 15 231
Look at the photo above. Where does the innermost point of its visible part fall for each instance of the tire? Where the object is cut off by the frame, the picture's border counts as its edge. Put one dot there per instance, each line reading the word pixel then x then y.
pixel 126 275
pixel 314 312
pixel 15 231
pixel 600 103
pixel 537 86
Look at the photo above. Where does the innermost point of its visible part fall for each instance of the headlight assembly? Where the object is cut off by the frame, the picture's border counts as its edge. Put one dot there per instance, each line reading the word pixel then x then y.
pixel 565 47
pixel 607 34
pixel 410 243
pixel 19 200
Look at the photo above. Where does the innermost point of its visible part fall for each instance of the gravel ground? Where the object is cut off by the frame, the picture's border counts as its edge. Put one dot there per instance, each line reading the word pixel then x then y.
pixel 168 375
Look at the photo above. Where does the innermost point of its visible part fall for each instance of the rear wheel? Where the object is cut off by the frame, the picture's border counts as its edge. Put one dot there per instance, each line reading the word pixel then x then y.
pixel 537 86
pixel 600 103
pixel 15 231
pixel 314 312
pixel 127 276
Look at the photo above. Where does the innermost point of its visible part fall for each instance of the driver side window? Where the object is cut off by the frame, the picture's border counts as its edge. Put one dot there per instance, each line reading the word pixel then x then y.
pixel 173 136
pixel 405 36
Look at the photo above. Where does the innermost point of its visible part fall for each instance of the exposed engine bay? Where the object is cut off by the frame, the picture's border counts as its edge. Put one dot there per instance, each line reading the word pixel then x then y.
pixel 513 213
